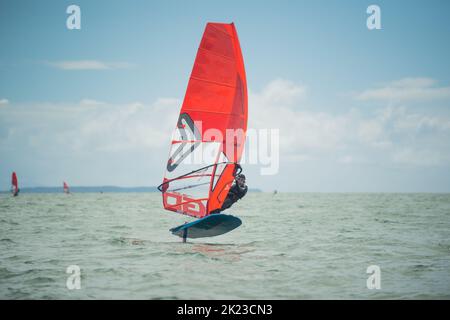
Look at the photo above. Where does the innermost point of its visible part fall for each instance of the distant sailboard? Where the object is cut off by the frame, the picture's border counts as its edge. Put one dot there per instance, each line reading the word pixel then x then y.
pixel 211 127
pixel 66 188
pixel 14 185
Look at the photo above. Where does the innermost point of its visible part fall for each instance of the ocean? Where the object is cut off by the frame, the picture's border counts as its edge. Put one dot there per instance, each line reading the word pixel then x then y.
pixel 290 246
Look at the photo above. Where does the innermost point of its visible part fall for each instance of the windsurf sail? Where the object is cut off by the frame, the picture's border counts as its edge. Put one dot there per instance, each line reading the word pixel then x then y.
pixel 66 187
pixel 209 137
pixel 14 184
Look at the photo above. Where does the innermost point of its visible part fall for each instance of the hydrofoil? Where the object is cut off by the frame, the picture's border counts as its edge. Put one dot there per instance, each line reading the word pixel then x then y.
pixel 209 226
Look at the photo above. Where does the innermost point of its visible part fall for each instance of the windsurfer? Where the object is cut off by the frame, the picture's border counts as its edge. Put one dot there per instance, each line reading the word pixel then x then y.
pixel 237 191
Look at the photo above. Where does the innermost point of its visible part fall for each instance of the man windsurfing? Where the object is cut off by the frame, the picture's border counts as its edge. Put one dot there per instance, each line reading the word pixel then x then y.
pixel 237 191
pixel 216 97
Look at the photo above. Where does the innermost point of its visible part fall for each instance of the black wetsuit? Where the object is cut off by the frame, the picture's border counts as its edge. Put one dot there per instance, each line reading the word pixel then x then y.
pixel 234 195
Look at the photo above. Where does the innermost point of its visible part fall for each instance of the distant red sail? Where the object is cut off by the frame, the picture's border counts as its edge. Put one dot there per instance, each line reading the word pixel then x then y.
pixel 215 101
pixel 66 187
pixel 14 184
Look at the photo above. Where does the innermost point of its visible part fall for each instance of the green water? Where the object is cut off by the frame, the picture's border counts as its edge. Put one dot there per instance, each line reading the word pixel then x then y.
pixel 290 246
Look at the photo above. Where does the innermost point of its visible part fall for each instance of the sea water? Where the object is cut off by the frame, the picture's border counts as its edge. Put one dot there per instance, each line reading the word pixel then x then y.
pixel 290 246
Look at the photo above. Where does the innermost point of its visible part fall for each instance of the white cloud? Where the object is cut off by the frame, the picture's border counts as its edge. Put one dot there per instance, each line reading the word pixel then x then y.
pixel 406 89
pixel 92 126
pixel 417 122
pixel 354 136
pixel 283 92
pixel 116 136
pixel 89 65
pixel 114 128
pixel 420 157
pixel 347 159
pixel 370 130
pixel 4 102
pixel 91 102
pixel 281 105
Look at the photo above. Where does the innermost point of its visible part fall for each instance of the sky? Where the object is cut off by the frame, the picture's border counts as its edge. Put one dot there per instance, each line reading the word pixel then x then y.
pixel 357 110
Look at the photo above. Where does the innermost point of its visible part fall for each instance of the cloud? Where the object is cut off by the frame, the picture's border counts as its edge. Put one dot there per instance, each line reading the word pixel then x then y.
pixel 283 92
pixel 420 123
pixel 97 141
pixel 4 102
pixel 370 130
pixel 91 126
pixel 377 136
pixel 420 157
pixel 281 104
pixel 91 102
pixel 406 90
pixel 346 159
pixel 89 65
pixel 384 135
pixel 133 126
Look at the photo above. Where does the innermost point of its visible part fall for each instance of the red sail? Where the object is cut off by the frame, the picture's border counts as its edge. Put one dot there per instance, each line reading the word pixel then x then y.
pixel 14 184
pixel 213 117
pixel 66 187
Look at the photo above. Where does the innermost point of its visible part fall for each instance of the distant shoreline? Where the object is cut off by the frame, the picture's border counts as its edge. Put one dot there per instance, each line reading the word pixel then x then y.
pixel 114 189
pixel 95 189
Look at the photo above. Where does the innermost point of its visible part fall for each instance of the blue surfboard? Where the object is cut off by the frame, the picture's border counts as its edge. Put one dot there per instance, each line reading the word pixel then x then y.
pixel 209 226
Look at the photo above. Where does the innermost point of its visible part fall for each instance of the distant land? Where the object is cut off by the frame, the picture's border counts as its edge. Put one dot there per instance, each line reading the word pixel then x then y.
pixel 95 189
